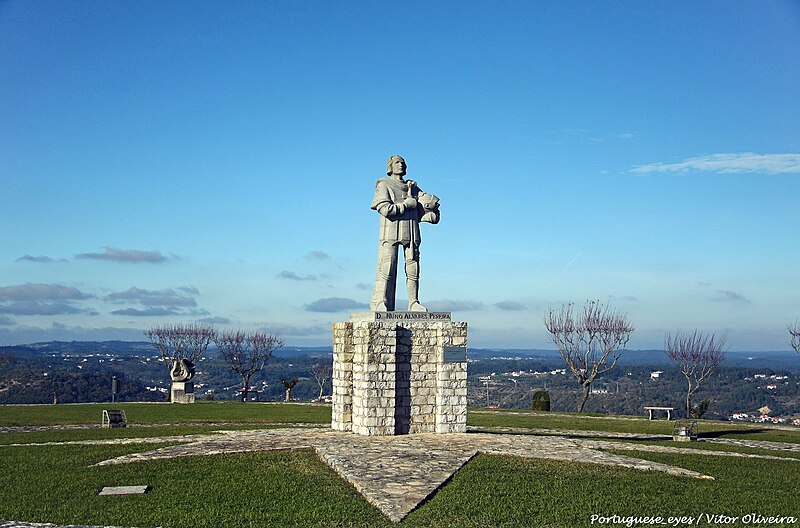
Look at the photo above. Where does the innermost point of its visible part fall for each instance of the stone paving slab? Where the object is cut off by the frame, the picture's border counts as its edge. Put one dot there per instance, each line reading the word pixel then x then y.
pixel 395 474
pixel 124 490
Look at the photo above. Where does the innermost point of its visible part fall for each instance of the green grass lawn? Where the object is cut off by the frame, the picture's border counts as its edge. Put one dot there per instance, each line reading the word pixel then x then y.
pixel 165 413
pixel 627 424
pixel 295 488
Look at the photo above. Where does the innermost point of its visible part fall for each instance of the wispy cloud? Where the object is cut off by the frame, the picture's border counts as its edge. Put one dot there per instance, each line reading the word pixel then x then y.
pixel 290 275
pixel 167 297
pixel 364 286
pixel 628 298
pixel 288 330
pixel 43 308
pixel 511 306
pixel 335 304
pixel 450 305
pixel 6 321
pixel 170 301
pixel 39 292
pixel 214 320
pixel 42 299
pixel 126 255
pixel 318 255
pixel 147 312
pixel 41 259
pixel 729 164
pixel 731 296
pixel 60 332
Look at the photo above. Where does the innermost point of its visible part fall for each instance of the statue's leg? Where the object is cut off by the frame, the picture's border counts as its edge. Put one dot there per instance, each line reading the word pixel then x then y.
pixel 411 254
pixel 385 279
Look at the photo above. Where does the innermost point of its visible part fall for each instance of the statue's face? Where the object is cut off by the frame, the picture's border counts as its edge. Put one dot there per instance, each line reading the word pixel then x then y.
pixel 398 166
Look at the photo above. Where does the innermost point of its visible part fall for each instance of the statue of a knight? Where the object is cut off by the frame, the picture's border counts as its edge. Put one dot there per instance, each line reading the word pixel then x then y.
pixel 402 206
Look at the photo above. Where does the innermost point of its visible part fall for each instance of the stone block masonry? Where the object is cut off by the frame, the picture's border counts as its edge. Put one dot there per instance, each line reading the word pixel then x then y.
pixel 399 373
pixel 182 392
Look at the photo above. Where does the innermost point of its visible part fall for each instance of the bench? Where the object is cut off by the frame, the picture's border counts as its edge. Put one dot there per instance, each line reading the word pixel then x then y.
pixel 114 419
pixel 651 409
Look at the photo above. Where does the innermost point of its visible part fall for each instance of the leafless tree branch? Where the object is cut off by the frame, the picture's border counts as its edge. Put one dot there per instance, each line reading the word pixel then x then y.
pixel 322 373
pixel 590 342
pixel 697 356
pixel 247 353
pixel 181 341
pixel 794 332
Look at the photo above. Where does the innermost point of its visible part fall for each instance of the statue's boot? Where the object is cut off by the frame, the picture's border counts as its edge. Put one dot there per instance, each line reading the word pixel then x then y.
pixel 378 303
pixel 413 297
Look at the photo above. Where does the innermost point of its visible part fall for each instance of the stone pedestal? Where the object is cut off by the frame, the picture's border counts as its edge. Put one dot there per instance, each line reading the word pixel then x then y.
pixel 182 392
pixel 400 372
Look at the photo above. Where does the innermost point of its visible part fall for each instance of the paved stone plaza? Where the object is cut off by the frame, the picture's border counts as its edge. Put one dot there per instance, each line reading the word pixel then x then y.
pixel 397 473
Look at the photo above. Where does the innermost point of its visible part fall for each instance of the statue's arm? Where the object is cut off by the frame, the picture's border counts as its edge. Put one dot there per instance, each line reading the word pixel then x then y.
pixel 386 207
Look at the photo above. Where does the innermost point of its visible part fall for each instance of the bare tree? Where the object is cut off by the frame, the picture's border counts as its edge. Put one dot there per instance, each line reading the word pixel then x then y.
pixel 697 356
pixel 590 342
pixel 181 341
pixel 179 344
pixel 247 353
pixel 322 373
pixel 288 385
pixel 794 332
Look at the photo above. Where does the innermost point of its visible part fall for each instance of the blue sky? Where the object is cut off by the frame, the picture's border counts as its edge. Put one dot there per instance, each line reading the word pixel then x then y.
pixel 205 161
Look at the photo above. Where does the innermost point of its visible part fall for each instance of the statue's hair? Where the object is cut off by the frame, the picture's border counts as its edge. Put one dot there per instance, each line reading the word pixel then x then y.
pixel 389 162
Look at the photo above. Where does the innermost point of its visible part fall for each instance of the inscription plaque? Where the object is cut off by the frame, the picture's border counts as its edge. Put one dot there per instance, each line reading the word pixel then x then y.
pixel 455 354
pixel 400 316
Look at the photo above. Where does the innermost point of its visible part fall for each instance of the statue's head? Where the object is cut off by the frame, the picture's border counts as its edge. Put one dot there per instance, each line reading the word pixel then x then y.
pixel 392 165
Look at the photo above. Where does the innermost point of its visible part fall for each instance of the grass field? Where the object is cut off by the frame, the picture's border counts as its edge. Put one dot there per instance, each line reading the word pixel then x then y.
pixel 57 483
pixel 165 413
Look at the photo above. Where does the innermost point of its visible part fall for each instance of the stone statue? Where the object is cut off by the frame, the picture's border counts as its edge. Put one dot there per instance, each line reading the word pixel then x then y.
pixel 182 370
pixel 402 206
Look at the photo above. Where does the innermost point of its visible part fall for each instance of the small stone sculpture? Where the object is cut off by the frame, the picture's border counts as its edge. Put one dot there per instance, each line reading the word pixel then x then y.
pixel 402 206
pixel 182 370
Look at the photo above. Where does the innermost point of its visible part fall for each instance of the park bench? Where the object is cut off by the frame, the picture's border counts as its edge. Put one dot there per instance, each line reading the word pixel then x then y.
pixel 651 409
pixel 115 418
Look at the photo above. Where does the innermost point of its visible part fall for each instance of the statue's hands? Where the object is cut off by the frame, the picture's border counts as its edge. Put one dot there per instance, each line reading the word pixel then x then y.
pixel 410 203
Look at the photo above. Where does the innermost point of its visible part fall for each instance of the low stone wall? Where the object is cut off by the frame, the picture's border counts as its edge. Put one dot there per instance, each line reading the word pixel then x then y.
pixel 398 373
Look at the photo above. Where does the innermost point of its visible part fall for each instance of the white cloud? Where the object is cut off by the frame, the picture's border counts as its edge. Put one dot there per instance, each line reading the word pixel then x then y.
pixel 511 306
pixel 168 298
pixel 334 304
pixel 215 320
pixel 41 259
pixel 729 164
pixel 126 255
pixel 39 292
pixel 290 275
pixel 452 305
pixel 730 296
pixel 290 330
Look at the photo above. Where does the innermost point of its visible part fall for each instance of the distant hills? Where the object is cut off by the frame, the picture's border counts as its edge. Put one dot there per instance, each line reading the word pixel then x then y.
pixel 787 360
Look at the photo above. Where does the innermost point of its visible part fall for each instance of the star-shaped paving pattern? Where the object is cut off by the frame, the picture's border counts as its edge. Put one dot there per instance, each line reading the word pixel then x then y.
pixel 397 473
